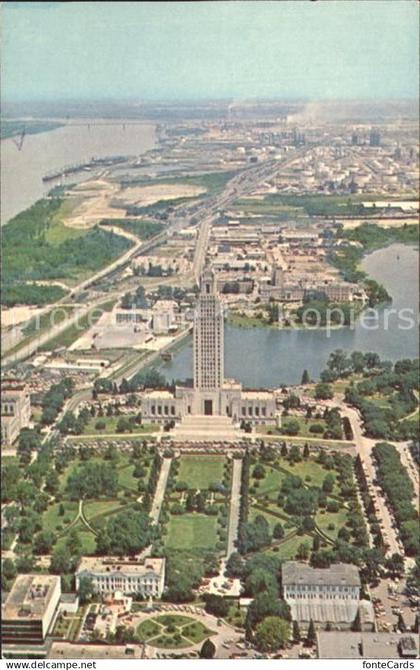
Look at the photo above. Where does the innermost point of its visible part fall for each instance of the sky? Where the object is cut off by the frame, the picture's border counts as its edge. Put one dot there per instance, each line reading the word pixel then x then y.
pixel 297 49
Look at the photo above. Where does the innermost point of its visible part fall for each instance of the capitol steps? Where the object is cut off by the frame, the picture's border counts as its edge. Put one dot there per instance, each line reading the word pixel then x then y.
pixel 197 427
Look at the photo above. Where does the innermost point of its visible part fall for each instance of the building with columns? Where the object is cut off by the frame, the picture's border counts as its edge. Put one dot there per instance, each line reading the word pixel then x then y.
pixel 211 395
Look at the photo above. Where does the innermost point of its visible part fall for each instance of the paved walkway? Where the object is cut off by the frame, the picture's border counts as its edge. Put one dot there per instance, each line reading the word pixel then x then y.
pixel 235 500
pixel 160 489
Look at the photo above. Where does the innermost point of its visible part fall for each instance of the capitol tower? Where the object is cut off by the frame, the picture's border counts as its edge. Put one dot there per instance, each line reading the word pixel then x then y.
pixel 208 341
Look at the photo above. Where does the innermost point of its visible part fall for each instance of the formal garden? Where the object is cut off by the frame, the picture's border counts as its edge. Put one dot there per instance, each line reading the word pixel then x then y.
pixel 172 631
pixel 69 502
pixel 296 501
pixel 196 508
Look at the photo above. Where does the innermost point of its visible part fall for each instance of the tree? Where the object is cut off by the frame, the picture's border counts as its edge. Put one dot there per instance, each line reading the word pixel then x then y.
pixel 216 605
pixel 235 565
pixel 271 634
pixel 324 391
pixel 126 534
pixel 294 454
pixel 311 635
pixel 305 377
pixel 208 649
pixel 395 565
pixel 302 553
pixel 259 471
pixel 328 483
pixel 61 561
pixel 43 542
pixel 296 631
pixel 260 581
pixel 123 425
pixel 291 427
pixel 278 531
pixel 73 543
pixel 86 589
pixel 92 480
pixel 8 569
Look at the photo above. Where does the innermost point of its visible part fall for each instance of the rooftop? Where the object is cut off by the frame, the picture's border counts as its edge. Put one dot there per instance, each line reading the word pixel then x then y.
pixel 338 644
pixel 30 596
pixel 125 565
pixel 97 651
pixel 340 574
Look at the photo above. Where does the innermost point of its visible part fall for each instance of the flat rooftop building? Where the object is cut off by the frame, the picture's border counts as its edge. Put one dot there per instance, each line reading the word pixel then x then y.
pixel 30 608
pixel 97 651
pixel 323 595
pixel 366 645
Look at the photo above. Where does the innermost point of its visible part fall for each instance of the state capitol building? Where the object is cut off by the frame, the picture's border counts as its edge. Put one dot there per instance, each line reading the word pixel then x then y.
pixel 211 395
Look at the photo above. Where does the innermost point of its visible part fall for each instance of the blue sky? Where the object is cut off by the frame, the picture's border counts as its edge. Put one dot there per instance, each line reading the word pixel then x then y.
pixel 200 50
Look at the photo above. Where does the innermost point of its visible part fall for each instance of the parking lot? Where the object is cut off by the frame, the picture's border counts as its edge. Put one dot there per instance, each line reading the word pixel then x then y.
pixel 390 601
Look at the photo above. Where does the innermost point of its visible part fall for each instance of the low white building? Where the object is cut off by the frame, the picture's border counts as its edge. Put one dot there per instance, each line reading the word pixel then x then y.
pixel 128 575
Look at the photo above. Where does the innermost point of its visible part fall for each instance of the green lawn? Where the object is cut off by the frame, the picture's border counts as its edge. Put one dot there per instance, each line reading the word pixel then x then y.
pixel 337 518
pixel 148 629
pixel 287 550
pixel 307 468
pixel 200 471
pixel 271 482
pixel 52 520
pixel 98 507
pixel 111 423
pixel 272 520
pixel 87 539
pixel 192 531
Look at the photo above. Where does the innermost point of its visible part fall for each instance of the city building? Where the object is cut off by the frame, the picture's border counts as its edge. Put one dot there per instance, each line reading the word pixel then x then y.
pixel 83 650
pixel 348 644
pixel 30 609
pixel 127 575
pixel 325 596
pixel 15 410
pixel 210 395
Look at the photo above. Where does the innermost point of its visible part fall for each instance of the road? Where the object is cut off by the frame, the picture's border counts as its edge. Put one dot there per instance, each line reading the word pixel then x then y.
pixel 364 446
pixel 160 489
pixel 237 187
pixel 235 503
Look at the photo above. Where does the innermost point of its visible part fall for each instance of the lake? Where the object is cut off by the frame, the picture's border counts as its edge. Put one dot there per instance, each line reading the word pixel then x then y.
pixel 22 171
pixel 267 358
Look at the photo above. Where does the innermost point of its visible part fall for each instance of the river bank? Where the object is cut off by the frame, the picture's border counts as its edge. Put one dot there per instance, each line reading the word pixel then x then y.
pixel 73 143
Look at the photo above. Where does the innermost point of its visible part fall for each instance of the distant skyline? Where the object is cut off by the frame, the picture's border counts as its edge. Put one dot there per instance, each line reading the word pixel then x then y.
pixel 174 51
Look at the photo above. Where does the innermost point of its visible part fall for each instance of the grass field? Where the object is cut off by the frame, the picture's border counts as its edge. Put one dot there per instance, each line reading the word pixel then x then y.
pixel 97 508
pixel 200 471
pixel 307 468
pixel 287 550
pixel 52 520
pixel 338 519
pixel 94 511
pixel 192 531
pixel 271 482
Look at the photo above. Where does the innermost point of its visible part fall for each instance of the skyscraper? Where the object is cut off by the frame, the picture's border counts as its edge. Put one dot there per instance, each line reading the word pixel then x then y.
pixel 208 339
